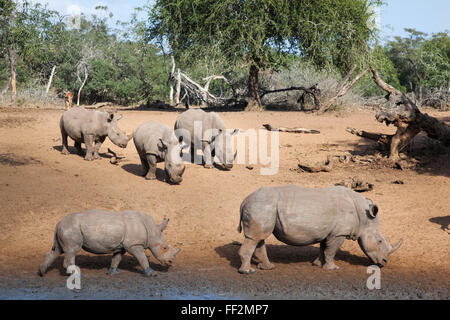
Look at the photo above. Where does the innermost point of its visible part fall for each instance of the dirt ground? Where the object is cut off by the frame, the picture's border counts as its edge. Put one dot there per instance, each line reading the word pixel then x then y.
pixel 39 185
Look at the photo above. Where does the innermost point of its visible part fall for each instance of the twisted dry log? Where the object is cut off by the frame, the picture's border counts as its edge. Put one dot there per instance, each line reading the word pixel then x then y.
pixel 293 130
pixel 115 159
pixel 406 116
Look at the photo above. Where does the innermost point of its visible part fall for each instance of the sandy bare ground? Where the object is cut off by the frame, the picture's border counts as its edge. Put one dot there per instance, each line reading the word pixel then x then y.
pixel 39 185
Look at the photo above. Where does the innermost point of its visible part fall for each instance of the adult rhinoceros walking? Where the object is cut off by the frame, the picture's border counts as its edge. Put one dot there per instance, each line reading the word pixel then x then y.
pixel 155 143
pixel 301 216
pixel 103 232
pixel 212 136
pixel 90 127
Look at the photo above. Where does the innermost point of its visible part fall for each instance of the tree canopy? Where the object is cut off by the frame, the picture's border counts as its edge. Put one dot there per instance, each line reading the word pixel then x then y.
pixel 261 33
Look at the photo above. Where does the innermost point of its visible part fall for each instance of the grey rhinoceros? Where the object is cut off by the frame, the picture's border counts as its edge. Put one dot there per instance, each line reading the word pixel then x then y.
pixel 90 127
pixel 301 216
pixel 212 136
pixel 102 232
pixel 156 142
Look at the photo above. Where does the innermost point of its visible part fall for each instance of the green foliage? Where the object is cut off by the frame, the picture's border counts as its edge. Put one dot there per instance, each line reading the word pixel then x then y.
pixel 230 32
pixel 422 62
pixel 120 70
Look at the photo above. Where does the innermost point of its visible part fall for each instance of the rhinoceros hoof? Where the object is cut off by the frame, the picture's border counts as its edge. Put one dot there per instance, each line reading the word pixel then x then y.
pixel 42 269
pixel 88 158
pixel 317 263
pixel 150 177
pixel 150 273
pixel 113 271
pixel 265 266
pixel 208 166
pixel 247 271
pixel 65 152
pixel 330 266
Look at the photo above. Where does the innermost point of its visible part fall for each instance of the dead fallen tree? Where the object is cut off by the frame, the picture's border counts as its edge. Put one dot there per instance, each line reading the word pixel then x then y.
pixel 318 167
pixel 321 106
pixel 292 130
pixel 406 116
pixel 356 184
pixel 115 158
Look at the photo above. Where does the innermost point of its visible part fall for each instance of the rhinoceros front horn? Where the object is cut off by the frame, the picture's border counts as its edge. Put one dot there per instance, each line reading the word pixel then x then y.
pixel 396 246
pixel 130 136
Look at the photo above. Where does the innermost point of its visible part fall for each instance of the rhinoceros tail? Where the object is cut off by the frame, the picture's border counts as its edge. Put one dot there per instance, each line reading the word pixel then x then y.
pixel 56 245
pixel 241 210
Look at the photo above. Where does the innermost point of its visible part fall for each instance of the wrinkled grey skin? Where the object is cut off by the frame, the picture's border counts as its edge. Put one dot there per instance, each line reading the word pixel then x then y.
pixel 214 135
pixel 102 232
pixel 90 127
pixel 155 143
pixel 301 216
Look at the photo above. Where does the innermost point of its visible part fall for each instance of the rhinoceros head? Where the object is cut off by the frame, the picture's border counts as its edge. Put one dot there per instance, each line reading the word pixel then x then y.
pixel 173 161
pixel 117 136
pixel 372 243
pixel 222 143
pixel 163 251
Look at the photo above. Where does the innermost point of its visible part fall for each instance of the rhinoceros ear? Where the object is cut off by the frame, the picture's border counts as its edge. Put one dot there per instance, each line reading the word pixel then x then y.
pixel 162 145
pixel 110 117
pixel 373 210
pixel 163 224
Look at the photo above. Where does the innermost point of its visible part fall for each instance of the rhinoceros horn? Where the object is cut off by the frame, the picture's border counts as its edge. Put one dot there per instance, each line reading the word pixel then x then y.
pixel 130 136
pixel 395 247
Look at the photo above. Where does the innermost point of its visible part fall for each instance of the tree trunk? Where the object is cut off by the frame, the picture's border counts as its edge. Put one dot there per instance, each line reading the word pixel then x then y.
pixel 178 92
pixel 171 79
pixel 81 88
pixel 13 64
pixel 254 102
pixel 50 80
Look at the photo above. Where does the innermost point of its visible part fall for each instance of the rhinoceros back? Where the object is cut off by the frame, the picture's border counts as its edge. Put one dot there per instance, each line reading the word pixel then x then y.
pixel 101 231
pixel 307 216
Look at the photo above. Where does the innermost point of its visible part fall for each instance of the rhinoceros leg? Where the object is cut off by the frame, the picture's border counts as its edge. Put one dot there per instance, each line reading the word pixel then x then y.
pixel 117 257
pixel 65 146
pixel 246 252
pixel 144 164
pixel 151 162
pixel 97 146
pixel 79 149
pixel 207 156
pixel 193 151
pixel 320 260
pixel 88 141
pixel 261 255
pixel 332 245
pixel 139 253
pixel 49 259
pixel 69 259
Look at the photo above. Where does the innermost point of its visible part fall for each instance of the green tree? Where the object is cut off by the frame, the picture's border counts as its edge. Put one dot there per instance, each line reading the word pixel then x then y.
pixel 422 62
pixel 260 34
pixel 23 35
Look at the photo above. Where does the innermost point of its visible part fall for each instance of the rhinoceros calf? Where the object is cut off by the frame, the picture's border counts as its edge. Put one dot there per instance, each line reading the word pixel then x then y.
pixel 300 216
pixel 155 143
pixel 90 127
pixel 102 232
pixel 214 138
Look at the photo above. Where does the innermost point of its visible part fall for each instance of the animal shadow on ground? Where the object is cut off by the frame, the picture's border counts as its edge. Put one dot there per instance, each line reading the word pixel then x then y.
pixel 286 254
pixel 138 170
pixel 73 150
pixel 443 221
pixel 103 262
